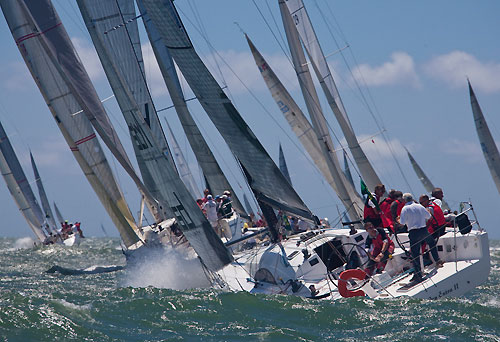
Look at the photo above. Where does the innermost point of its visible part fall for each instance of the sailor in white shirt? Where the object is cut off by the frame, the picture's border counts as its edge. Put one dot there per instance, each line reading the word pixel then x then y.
pixel 415 216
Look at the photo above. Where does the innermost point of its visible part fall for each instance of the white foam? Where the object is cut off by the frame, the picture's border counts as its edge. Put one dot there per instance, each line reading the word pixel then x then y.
pixel 164 268
pixel 23 243
pixel 73 306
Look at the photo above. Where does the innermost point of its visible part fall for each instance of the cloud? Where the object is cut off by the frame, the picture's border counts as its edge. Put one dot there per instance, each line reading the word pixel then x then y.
pixel 15 76
pixel 454 67
pixel 400 70
pixel 470 151
pixel 89 58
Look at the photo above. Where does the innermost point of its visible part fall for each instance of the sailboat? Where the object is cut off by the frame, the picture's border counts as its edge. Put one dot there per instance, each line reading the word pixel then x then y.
pixel 312 264
pixel 41 223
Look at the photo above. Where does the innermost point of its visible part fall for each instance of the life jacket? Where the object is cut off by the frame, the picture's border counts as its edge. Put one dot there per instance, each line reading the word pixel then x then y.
pixel 437 220
pixel 385 215
pixel 370 215
pixel 377 243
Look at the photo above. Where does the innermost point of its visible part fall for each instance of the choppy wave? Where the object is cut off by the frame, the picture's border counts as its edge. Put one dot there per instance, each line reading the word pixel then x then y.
pixel 37 306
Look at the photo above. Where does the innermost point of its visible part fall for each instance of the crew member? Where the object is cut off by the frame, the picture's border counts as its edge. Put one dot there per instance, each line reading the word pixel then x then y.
pixel 380 247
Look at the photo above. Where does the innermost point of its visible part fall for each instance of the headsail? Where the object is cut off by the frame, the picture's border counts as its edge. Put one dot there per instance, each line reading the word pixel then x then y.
pixel 215 178
pixel 49 217
pixel 488 145
pixel 60 218
pixel 76 129
pixel 426 182
pixel 19 187
pixel 316 141
pixel 347 170
pixel 174 198
pixel 308 36
pixel 266 180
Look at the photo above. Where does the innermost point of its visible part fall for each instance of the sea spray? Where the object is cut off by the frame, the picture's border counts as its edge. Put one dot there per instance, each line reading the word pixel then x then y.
pixel 23 243
pixel 164 268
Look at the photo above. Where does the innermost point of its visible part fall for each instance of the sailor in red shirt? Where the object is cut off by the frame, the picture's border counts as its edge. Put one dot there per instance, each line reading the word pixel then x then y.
pixel 371 212
pixel 437 223
pixel 385 211
pixel 379 246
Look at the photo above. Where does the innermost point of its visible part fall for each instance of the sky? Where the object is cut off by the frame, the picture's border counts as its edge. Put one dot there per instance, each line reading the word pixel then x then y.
pixel 408 60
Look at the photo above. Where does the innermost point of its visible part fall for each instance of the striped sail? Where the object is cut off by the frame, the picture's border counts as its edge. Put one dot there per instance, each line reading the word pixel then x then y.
pixel 488 145
pixel 60 218
pixel 216 181
pixel 49 217
pixel 182 166
pixel 19 186
pixel 76 129
pixel 426 182
pixel 118 58
pixel 320 149
pixel 306 32
pixel 283 166
pixel 264 177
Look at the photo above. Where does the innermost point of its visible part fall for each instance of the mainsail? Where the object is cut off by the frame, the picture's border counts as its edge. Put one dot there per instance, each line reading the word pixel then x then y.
pixel 215 178
pixel 316 141
pixel 283 166
pixel 19 187
pixel 49 217
pixel 488 145
pixel 306 32
pixel 426 182
pixel 61 100
pixel 265 178
pixel 114 49
pixel 347 170
pixel 182 166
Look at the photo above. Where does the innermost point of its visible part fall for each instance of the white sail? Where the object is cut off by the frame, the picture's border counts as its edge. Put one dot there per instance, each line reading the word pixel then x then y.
pixel 488 145
pixel 316 141
pixel 264 177
pixel 215 178
pixel 306 32
pixel 49 217
pixel 76 129
pixel 60 218
pixel 19 187
pixel 182 166
pixel 347 170
pixel 426 182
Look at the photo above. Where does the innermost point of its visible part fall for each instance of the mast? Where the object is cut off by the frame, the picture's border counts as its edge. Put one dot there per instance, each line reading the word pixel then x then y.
pixel 488 145
pixel 320 149
pixel 19 186
pixel 76 129
pixel 306 32
pixel 264 177
pixel 182 166
pixel 426 182
pixel 215 178
pixel 49 217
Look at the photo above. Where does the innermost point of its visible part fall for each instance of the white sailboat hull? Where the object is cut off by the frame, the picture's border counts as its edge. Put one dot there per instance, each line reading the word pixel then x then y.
pixel 72 240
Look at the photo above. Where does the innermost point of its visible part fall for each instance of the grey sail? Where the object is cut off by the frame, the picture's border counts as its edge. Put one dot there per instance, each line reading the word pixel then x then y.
pixel 488 145
pixel 182 166
pixel 347 170
pixel 215 178
pixel 60 51
pixel 264 177
pixel 426 182
pixel 175 200
pixel 76 129
pixel 49 217
pixel 122 61
pixel 306 32
pixel 283 166
pixel 60 218
pixel 248 206
pixel 315 140
pixel 19 186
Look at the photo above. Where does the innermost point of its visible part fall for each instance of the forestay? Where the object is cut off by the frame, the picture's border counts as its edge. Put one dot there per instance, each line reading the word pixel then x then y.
pixel 76 129
pixel 306 32
pixel 263 175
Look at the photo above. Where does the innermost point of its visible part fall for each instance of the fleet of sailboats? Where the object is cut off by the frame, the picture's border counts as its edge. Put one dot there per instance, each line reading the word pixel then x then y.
pixel 308 264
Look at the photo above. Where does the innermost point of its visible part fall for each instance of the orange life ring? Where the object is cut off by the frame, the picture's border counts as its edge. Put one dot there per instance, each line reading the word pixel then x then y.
pixel 344 277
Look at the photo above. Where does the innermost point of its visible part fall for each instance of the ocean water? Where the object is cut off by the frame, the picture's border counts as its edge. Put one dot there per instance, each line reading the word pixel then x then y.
pixel 90 296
